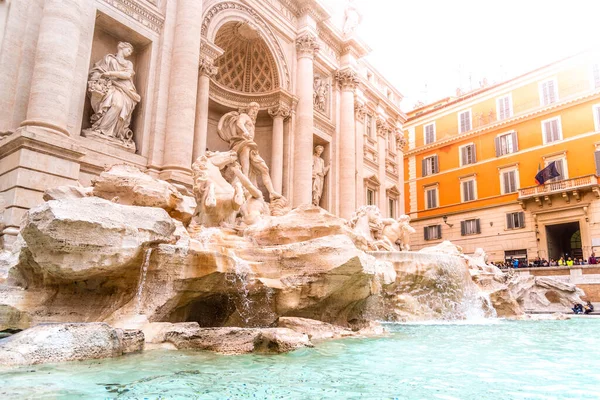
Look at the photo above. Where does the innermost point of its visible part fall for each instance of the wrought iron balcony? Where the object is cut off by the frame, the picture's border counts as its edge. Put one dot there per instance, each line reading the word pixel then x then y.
pixel 567 188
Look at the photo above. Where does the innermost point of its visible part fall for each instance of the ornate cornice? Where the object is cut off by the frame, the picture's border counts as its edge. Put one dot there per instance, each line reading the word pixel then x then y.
pixel 135 9
pixel 258 21
pixel 280 110
pixel 237 100
pixel 307 45
pixel 207 68
pixel 347 79
pixel 553 107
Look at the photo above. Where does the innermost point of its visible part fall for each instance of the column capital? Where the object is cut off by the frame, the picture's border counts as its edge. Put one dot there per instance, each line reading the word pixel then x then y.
pixel 360 110
pixel 307 45
pixel 280 110
pixel 347 79
pixel 383 128
pixel 400 141
pixel 207 67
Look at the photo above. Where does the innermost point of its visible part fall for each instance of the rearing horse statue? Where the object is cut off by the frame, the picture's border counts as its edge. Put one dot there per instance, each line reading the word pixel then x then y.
pixel 219 201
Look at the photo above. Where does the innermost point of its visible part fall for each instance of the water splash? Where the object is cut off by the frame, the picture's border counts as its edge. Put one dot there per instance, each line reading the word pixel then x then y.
pixel 142 280
pixel 240 279
pixel 205 236
pixel 434 286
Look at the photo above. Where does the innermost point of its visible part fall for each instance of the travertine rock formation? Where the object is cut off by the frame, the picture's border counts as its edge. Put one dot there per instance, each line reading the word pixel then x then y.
pixel 68 342
pixel 126 184
pixel 191 336
pixel 78 239
pixel 316 330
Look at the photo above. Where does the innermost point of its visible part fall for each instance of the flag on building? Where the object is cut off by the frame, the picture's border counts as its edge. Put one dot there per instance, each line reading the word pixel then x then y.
pixel 547 173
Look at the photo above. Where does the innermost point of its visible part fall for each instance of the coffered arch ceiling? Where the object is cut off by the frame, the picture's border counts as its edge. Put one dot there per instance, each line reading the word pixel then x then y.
pixel 247 65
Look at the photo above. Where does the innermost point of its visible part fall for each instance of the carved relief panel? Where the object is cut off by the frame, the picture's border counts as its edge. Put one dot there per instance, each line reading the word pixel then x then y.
pixel 322 93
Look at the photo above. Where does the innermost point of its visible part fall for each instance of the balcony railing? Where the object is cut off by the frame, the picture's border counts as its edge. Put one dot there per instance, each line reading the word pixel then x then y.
pixel 566 185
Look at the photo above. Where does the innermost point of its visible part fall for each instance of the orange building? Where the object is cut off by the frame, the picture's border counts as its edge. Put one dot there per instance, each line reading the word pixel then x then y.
pixel 471 163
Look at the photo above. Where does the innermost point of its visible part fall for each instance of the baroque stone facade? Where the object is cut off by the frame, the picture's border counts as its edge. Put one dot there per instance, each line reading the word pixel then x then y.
pixel 146 82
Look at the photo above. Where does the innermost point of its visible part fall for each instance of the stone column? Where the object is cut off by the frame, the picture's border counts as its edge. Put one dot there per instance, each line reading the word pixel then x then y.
pixel 383 130
pixel 206 70
pixel 348 81
pixel 279 114
pixel 306 46
pixel 181 108
pixel 361 113
pixel 54 68
pixel 400 144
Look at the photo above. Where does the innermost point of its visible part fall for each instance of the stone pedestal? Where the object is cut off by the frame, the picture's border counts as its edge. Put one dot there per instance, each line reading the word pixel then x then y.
pixel 181 109
pixel 32 162
pixel 306 46
pixel 348 81
pixel 279 114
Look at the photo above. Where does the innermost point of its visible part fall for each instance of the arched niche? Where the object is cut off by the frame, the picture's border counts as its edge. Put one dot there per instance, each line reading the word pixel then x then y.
pixel 227 12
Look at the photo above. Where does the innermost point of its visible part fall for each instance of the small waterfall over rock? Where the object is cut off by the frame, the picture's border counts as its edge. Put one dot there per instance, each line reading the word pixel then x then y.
pixel 240 279
pixel 205 236
pixel 142 280
pixel 432 286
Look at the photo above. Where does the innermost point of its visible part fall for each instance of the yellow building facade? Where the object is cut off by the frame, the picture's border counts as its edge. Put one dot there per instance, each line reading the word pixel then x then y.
pixel 471 161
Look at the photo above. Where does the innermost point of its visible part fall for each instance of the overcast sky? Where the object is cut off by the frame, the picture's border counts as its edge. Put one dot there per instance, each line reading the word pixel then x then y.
pixel 428 48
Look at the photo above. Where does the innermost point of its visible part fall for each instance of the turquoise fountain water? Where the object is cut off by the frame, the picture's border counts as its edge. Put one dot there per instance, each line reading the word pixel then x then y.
pixel 490 359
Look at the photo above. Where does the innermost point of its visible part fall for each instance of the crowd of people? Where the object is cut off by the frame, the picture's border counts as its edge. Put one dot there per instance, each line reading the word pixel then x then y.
pixel 579 308
pixel 542 262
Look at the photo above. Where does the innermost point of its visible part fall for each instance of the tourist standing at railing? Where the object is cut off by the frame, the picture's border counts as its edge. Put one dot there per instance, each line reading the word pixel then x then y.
pixel 592 259
pixel 569 262
pixel 561 262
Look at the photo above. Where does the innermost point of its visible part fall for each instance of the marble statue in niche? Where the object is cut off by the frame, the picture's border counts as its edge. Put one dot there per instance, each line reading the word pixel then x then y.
pixel 113 96
pixel 319 171
pixel 320 92
pixel 237 129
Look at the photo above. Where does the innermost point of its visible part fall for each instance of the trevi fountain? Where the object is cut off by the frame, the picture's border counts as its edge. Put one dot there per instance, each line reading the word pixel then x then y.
pixel 137 287
pixel 105 282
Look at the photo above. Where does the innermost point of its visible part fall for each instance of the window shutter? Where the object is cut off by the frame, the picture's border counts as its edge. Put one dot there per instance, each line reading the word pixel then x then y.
pixel 547 132
pixel 436 167
pixel 471 190
pixel 521 219
pixel 426 233
pixel 477 226
pixel 463 156
pixel 509 221
pixel 438 231
pixel 560 169
pixel 551 91
pixel 515 142
pixel 497 144
pixel 462 228
pixel 506 178
pixel 424 167
pixel 473 154
pixel 597 156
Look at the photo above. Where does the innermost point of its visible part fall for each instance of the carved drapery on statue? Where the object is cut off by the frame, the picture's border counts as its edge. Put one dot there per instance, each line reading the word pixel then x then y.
pixel 320 94
pixel 319 171
pixel 237 129
pixel 113 97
